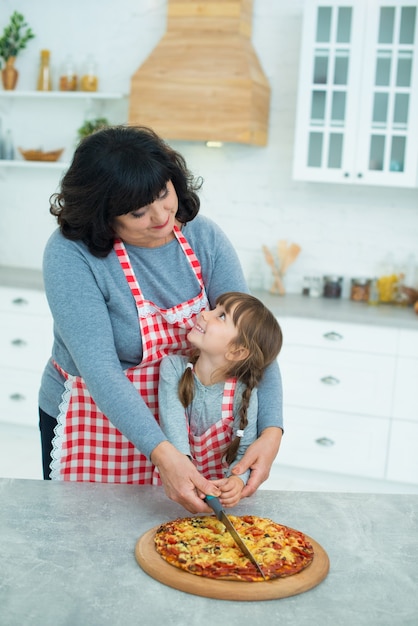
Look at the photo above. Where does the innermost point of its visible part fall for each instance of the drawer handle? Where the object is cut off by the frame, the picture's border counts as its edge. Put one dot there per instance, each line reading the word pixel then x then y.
pixel 333 336
pixel 324 441
pixel 17 397
pixel 20 302
pixel 330 380
pixel 19 343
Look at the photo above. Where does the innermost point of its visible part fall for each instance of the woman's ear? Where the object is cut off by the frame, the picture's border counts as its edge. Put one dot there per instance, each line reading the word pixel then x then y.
pixel 237 353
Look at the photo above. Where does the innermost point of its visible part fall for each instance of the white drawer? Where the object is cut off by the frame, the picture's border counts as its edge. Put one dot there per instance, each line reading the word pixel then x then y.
pixel 332 442
pixel 408 343
pixel 23 301
pixel 339 336
pixel 25 343
pixel 337 381
pixel 403 457
pixel 405 405
pixel 19 397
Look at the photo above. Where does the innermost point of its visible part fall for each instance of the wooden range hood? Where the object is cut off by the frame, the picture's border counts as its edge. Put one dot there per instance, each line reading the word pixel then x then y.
pixel 203 81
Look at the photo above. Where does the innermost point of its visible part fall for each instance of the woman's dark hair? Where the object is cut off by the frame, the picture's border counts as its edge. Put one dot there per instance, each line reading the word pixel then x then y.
pixel 114 171
pixel 259 332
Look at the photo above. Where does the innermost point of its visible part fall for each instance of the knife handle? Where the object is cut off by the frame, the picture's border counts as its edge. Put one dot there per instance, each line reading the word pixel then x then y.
pixel 215 504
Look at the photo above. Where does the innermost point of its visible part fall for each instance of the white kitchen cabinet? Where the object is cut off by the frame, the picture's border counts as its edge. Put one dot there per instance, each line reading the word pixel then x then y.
pixel 403 457
pixel 338 381
pixel 405 406
pixel 25 346
pixel 357 105
pixel 333 441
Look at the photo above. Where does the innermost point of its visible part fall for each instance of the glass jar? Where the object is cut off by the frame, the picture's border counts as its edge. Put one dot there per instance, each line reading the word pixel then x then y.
pixel 89 80
pixel 68 76
pixel 315 288
pixel 306 286
pixel 44 76
pixel 360 289
pixel 332 286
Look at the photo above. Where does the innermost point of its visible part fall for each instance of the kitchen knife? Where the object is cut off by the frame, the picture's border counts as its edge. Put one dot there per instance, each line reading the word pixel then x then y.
pixel 215 504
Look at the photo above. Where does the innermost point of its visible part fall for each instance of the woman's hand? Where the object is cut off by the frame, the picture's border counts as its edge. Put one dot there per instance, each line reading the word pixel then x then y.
pixel 181 480
pixel 231 490
pixel 259 458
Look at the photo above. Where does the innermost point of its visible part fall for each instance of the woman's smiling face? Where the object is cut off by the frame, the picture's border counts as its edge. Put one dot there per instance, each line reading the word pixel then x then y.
pixel 152 225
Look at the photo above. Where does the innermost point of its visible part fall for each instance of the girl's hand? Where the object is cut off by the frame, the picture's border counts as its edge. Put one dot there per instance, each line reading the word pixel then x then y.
pixel 181 480
pixel 231 489
pixel 259 458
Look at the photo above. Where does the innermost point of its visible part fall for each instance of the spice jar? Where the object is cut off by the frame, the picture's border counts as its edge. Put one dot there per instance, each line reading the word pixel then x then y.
pixel 360 289
pixel 332 286
pixel 68 76
pixel 44 76
pixel 89 80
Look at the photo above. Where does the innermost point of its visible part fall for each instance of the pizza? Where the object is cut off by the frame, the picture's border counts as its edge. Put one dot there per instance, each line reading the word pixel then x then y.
pixel 203 546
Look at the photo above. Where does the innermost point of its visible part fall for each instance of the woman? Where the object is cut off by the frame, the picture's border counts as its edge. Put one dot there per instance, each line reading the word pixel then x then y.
pixel 208 401
pixel 126 273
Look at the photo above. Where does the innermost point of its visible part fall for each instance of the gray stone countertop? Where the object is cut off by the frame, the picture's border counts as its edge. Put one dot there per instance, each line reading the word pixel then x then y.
pixel 290 305
pixel 67 558
pixel 339 310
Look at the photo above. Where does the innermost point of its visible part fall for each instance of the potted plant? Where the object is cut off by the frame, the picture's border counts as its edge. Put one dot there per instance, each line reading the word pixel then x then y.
pixel 90 126
pixel 15 37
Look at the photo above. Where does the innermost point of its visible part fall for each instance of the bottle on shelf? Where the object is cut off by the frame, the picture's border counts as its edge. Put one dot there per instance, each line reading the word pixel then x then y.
pixel 8 149
pixel 44 77
pixel 68 75
pixel 89 80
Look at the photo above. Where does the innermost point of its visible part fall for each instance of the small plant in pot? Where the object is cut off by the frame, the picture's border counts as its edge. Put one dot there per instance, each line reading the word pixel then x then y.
pixel 14 39
pixel 90 126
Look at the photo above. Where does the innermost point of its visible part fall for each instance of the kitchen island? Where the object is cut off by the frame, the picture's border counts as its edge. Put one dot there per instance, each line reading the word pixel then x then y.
pixel 67 558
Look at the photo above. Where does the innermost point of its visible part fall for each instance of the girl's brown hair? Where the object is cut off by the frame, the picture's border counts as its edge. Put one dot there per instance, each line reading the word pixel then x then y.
pixel 259 332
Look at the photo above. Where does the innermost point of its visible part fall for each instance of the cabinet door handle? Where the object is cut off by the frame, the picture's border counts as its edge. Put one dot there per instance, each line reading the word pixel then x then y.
pixel 332 336
pixel 324 441
pixel 330 380
pixel 19 343
pixel 17 397
pixel 20 301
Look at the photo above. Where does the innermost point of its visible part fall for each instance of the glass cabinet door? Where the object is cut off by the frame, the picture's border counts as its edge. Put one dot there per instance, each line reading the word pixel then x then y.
pixel 357 110
pixel 328 100
pixel 326 114
pixel 391 94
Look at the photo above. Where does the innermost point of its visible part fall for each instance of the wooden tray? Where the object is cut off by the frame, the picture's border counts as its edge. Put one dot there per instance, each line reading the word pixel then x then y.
pixel 154 565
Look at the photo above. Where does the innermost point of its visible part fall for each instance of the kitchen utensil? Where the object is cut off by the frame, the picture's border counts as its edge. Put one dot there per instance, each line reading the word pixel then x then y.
pixel 277 286
pixel 215 504
pixel 290 256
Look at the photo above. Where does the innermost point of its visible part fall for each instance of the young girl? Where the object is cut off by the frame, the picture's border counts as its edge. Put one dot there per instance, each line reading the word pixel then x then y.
pixel 208 402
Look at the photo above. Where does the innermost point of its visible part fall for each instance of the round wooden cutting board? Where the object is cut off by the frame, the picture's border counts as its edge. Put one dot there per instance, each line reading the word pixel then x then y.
pixel 154 565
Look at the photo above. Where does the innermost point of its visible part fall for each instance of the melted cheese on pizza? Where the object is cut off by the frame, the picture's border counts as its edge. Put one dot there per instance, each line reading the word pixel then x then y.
pixel 203 546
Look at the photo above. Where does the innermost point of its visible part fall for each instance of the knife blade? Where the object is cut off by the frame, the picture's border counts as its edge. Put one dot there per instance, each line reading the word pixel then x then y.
pixel 216 506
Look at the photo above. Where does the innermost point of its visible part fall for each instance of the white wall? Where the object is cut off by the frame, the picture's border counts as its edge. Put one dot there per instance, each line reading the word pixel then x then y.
pixel 248 190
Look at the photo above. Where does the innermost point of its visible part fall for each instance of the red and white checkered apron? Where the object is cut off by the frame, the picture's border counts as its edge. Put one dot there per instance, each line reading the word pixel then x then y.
pixel 87 447
pixel 208 449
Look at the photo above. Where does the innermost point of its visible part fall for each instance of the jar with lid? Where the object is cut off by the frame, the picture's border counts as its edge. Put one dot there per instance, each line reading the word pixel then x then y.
pixel 68 75
pixel 44 76
pixel 89 80
pixel 306 286
pixel 360 289
pixel 332 286
pixel 315 288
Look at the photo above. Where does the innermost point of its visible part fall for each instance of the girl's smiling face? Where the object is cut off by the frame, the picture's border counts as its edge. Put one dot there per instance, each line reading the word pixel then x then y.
pixel 213 332
pixel 152 225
